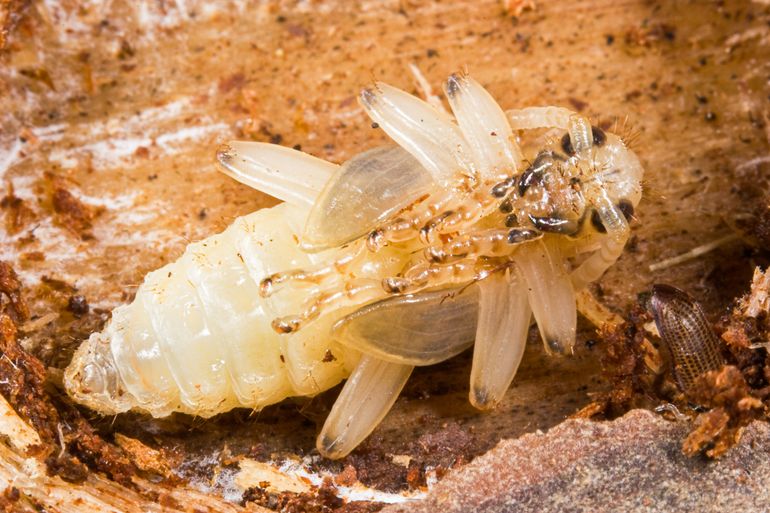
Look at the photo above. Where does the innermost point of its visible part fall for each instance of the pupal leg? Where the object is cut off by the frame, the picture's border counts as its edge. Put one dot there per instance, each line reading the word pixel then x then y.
pixel 423 274
pixel 446 215
pixel 550 291
pixel 394 334
pixel 405 226
pixel 352 292
pixel 318 274
pixel 611 247
pixel 458 216
pixel 501 336
pixel 488 243
pixel 366 398
pixel 457 261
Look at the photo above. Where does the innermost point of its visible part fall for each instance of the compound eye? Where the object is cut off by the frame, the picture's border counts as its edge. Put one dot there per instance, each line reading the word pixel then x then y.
pixel 599 136
pixel 92 381
pixel 627 208
pixel 596 222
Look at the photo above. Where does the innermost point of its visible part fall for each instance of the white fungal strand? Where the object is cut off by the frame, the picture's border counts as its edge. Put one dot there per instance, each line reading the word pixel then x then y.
pixel 400 257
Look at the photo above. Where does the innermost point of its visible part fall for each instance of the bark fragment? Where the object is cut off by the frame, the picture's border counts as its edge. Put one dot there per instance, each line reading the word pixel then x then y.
pixel 732 407
pixel 625 353
pixel 10 288
pixel 11 12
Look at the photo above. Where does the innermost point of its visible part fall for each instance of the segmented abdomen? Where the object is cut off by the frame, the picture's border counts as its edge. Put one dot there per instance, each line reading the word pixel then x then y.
pixel 197 338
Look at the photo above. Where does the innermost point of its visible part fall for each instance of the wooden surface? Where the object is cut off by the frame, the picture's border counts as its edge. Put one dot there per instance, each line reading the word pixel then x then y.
pixel 123 104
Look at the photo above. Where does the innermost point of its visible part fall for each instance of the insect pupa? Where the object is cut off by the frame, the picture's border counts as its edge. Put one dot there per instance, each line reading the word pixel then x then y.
pixel 402 256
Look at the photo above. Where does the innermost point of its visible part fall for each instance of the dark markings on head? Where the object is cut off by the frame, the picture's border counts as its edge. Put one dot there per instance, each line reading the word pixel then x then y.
pixel 553 224
pixel 501 189
pixel 511 220
pixel 506 207
pixel 566 145
pixel 534 173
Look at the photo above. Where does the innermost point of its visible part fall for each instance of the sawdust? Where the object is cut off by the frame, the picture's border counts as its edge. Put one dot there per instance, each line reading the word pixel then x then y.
pixel 726 400
pixel 625 353
pixel 71 213
pixel 731 408
pixel 11 12
pixel 70 446
pixel 14 304
pixel 323 500
pixel 18 214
